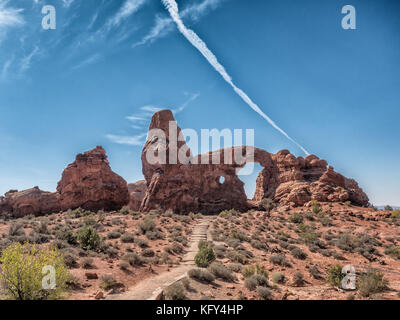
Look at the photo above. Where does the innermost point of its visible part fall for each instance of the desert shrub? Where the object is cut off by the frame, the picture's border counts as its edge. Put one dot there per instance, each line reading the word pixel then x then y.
pixel 201 275
pixel 113 235
pixel 87 263
pixel 393 251
pixel 264 293
pixel 220 251
pixel 236 234
pixel 250 284
pixel 315 207
pixel 258 245
pixel 177 248
pixel 268 204
pixel 108 282
pixel 204 257
pixel 388 208
pixel 21 272
pixel 70 259
pixel 298 279
pixel 395 214
pixel 279 259
pixel 235 267
pixel 228 213
pixel 67 235
pixel 175 291
pixel 335 276
pixel 278 277
pixel 254 281
pixel 158 235
pixel 147 224
pixel 371 282
pixel 16 229
pixel 141 242
pixel 127 238
pixel 238 257
pixel 41 227
pixel 221 272
pixel 133 259
pixel 315 272
pixel 307 233
pixel 296 218
pixel 88 238
pixel 298 253
pixel 255 269
pixel 148 253
pixel 123 265
pixel 202 244
pixel 186 283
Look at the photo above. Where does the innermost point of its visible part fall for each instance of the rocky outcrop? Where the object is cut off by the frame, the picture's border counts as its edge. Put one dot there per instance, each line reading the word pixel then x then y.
pixel 32 201
pixel 90 183
pixel 137 191
pixel 296 181
pixel 187 184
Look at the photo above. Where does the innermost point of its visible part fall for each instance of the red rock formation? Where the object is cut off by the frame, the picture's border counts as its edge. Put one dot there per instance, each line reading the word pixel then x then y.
pixel 137 191
pixel 297 181
pixel 185 186
pixel 32 201
pixel 90 183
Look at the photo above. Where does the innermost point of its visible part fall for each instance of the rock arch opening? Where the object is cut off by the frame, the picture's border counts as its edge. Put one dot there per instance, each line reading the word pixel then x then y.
pixel 248 174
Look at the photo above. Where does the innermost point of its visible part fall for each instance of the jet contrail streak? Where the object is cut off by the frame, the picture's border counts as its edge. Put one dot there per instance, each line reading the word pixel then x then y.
pixel 200 45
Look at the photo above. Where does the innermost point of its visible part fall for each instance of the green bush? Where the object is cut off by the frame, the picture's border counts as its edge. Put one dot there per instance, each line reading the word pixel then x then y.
pixel 21 272
pixel 371 282
pixel 175 291
pixel 335 276
pixel 264 293
pixel 147 224
pixel 296 218
pixel 278 277
pixel 127 238
pixel 393 251
pixel 221 272
pixel 201 275
pixel 88 238
pixel 204 257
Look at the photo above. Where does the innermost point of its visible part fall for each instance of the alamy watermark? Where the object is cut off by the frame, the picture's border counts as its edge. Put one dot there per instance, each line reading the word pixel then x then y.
pixel 171 148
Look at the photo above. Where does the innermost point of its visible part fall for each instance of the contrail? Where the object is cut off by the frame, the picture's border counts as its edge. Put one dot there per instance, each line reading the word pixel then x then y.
pixel 195 40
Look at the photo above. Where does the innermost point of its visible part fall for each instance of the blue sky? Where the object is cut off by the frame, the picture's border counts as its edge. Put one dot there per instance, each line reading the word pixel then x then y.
pixel 96 79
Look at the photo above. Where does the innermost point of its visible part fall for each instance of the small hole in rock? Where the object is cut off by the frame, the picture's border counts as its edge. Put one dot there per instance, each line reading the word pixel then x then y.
pixel 221 180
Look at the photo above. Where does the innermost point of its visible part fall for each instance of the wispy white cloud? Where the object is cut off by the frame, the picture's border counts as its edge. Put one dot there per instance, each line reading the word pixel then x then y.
pixel 4 70
pixel 90 60
pixel 182 107
pixel 136 118
pixel 201 46
pixel 67 3
pixel 127 9
pixel 9 18
pixel 27 60
pixel 164 25
pixel 137 140
pixel 150 108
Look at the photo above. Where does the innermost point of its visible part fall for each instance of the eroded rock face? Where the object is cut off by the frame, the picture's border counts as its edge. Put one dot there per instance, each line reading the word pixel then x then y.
pixel 32 201
pixel 185 185
pixel 90 183
pixel 296 181
pixel 137 191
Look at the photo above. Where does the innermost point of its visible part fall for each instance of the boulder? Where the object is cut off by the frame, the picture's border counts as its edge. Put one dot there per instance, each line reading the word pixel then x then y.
pixel 90 183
